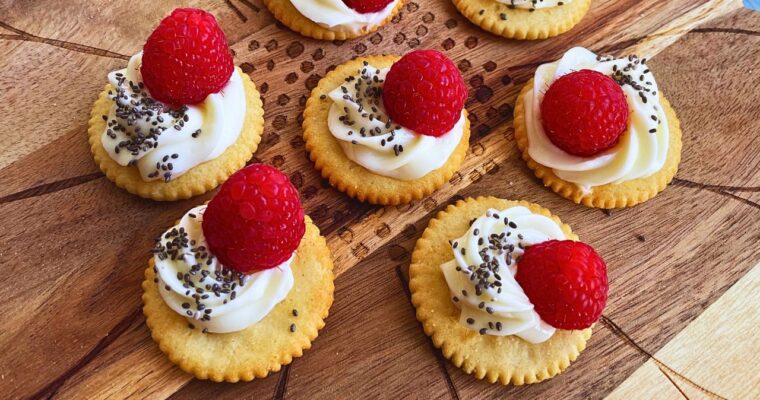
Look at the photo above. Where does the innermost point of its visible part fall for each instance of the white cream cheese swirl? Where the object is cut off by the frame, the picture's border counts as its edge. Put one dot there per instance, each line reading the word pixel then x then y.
pixel 535 4
pixel 165 143
pixel 336 15
pixel 641 150
pixel 369 138
pixel 481 275
pixel 213 298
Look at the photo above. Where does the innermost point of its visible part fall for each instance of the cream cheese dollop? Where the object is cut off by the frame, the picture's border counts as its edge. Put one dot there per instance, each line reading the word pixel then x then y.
pixel 211 297
pixel 336 15
pixel 534 4
pixel 481 277
pixel 641 150
pixel 369 138
pixel 164 143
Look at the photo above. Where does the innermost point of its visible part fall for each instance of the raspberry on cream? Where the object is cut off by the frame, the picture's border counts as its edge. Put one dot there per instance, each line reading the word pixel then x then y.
pixel 425 92
pixel 164 143
pixel 641 150
pixel 566 281
pixel 255 221
pixel 338 16
pixel 481 277
pixel 211 296
pixel 227 264
pixel 368 137
pixel 584 113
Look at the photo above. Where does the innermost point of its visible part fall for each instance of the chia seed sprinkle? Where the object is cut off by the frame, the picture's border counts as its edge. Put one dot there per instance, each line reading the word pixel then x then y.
pixel 138 121
pixel 202 278
pixel 636 75
pixel 363 98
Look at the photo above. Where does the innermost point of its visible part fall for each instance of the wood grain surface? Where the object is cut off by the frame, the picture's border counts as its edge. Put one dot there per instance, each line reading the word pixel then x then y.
pixel 678 369
pixel 73 246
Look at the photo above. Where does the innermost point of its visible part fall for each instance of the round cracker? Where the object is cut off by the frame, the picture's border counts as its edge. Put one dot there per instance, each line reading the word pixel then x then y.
pixel 285 12
pixel 504 359
pixel 351 178
pixel 519 23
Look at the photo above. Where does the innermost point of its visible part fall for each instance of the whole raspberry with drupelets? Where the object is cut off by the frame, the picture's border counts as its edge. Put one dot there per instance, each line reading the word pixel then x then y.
pixel 256 221
pixel 566 281
pixel 186 58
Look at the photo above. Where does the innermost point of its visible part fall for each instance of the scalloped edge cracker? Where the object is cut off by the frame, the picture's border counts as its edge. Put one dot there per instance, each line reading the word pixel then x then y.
pixel 351 178
pixel 503 359
pixel 541 23
pixel 285 12
pixel 626 194
pixel 199 179
pixel 263 347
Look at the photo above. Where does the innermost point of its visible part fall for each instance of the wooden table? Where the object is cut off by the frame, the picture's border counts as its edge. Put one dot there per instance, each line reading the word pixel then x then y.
pixel 684 299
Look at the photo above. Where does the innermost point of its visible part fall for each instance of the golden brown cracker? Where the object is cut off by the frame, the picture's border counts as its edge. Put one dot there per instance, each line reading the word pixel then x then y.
pixel 504 359
pixel 285 12
pixel 518 23
pixel 199 179
pixel 352 178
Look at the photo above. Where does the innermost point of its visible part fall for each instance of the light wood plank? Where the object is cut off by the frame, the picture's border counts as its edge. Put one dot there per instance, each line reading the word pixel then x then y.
pixel 648 382
pixel 720 349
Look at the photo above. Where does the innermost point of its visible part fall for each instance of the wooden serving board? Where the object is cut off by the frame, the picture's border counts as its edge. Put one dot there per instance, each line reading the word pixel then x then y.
pixel 683 311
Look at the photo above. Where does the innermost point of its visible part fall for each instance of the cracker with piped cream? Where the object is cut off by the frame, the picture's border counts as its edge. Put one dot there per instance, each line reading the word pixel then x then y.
pixel 285 12
pixel 263 347
pixel 520 23
pixel 503 359
pixel 611 195
pixel 197 180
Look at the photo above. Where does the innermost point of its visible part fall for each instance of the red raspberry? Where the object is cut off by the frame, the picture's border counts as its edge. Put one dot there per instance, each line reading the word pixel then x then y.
pixel 256 221
pixel 584 112
pixel 367 6
pixel 186 58
pixel 566 281
pixel 424 92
